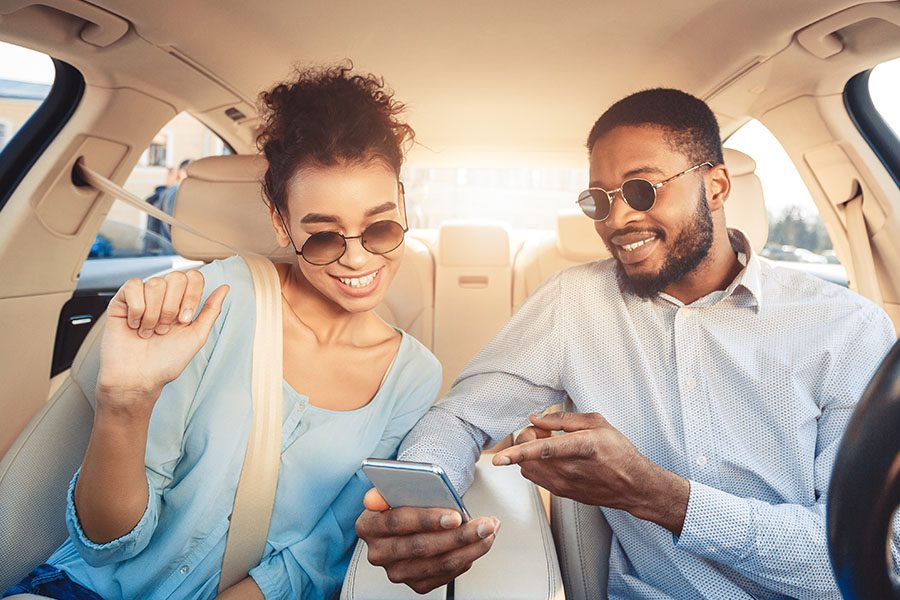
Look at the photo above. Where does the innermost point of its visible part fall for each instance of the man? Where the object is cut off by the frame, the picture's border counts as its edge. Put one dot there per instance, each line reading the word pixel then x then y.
pixel 712 388
pixel 163 198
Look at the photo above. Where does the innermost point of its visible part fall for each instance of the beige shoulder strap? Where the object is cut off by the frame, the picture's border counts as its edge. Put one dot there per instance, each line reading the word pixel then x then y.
pixel 255 496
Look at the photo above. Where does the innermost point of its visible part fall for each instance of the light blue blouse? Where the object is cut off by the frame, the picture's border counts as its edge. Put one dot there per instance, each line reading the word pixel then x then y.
pixel 197 438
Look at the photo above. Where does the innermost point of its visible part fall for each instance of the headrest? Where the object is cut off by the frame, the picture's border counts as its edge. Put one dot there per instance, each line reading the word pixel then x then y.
pixel 745 208
pixel 576 238
pixel 222 197
pixel 464 244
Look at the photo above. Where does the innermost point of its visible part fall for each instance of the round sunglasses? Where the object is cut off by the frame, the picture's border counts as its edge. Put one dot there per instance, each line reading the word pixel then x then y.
pixel 326 247
pixel 637 193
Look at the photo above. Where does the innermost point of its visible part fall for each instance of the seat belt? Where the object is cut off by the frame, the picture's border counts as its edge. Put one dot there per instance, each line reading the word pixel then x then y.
pixel 861 250
pixel 255 496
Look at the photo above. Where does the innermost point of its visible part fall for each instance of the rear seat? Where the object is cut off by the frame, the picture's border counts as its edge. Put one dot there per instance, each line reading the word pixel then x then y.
pixel 575 242
pixel 472 289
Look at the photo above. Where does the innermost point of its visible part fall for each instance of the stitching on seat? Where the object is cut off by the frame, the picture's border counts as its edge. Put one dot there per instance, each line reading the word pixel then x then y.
pixel 563 505
pixel 539 506
pixel 351 569
pixel 31 428
pixel 580 545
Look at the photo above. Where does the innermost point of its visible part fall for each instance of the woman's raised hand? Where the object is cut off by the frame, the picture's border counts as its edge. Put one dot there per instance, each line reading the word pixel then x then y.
pixel 150 336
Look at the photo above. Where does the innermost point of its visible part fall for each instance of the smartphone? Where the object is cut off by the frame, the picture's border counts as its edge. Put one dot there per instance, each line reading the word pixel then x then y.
pixel 405 483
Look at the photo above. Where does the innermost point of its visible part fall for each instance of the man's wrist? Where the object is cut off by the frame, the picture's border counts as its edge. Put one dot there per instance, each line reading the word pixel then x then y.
pixel 664 500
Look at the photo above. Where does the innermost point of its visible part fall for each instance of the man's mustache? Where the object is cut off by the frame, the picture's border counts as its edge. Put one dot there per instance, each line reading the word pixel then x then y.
pixel 659 233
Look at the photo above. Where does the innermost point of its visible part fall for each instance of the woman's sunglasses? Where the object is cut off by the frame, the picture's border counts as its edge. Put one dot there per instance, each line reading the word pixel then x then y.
pixel 326 247
pixel 637 193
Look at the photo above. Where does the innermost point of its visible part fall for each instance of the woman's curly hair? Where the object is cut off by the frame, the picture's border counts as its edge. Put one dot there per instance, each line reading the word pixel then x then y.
pixel 325 117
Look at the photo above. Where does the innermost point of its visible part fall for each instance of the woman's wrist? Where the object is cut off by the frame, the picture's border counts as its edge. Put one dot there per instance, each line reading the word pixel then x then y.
pixel 125 405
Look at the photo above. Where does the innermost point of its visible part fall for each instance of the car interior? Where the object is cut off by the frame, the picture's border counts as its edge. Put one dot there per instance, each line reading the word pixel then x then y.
pixel 500 85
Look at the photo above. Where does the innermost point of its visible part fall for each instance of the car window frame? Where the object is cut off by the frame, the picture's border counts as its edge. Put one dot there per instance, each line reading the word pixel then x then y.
pixel 871 125
pixel 41 128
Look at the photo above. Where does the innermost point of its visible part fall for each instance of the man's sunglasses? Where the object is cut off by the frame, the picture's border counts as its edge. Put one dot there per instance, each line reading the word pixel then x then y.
pixel 326 247
pixel 637 193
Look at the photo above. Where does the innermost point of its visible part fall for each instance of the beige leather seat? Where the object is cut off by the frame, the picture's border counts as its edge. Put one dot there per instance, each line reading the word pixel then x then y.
pixel 221 196
pixel 580 531
pixel 575 242
pixel 473 279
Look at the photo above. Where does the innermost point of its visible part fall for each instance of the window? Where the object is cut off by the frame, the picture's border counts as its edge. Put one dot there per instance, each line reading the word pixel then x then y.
pixel 37 97
pixel 521 197
pixel 884 87
pixel 157 154
pixel 130 233
pixel 797 236
pixel 26 77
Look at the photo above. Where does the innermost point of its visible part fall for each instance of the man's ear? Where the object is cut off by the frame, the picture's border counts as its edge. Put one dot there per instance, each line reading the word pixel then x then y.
pixel 718 187
pixel 278 225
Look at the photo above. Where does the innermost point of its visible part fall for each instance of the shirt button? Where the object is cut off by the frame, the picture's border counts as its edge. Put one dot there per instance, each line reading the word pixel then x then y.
pixel 711 549
pixel 184 569
pixel 702 460
pixel 692 383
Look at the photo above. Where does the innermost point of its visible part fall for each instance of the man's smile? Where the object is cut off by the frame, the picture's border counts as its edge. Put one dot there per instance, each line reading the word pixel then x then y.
pixel 634 247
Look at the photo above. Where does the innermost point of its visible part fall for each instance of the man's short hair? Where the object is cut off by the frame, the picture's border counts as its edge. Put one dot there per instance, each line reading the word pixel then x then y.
pixel 693 128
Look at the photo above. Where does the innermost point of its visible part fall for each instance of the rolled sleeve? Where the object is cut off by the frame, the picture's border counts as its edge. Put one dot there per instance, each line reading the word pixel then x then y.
pixel 272 579
pixel 119 549
pixel 717 525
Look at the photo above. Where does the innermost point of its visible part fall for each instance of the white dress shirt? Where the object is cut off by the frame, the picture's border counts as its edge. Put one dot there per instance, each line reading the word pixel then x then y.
pixel 746 392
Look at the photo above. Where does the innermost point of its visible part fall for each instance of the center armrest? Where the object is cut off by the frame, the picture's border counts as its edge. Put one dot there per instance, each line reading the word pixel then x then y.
pixel 521 564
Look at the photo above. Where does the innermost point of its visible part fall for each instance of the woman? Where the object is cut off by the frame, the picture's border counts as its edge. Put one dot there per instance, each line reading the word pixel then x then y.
pixel 148 510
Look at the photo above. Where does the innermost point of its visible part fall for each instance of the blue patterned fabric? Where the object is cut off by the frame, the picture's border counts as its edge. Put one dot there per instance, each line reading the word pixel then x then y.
pixel 746 392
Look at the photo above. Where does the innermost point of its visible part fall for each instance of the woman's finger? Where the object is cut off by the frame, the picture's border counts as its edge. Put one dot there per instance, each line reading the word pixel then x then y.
pixel 192 295
pixel 130 297
pixel 154 293
pixel 176 283
pixel 210 312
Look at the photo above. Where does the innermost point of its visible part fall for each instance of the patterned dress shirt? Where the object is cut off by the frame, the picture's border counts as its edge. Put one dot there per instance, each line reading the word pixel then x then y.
pixel 745 392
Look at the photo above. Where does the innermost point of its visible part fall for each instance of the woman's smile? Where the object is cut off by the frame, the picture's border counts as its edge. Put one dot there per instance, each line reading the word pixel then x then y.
pixel 358 285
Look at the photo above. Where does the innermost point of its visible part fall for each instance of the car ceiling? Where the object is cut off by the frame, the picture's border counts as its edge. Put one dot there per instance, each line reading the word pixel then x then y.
pixel 485 81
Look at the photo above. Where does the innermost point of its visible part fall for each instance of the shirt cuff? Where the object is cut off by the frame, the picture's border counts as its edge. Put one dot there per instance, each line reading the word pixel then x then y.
pixel 271 581
pixel 717 525
pixel 116 550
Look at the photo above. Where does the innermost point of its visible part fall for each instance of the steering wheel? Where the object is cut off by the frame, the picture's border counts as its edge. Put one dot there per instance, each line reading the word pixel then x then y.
pixel 865 490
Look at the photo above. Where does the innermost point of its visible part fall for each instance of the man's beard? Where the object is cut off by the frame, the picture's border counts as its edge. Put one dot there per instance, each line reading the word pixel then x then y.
pixel 686 253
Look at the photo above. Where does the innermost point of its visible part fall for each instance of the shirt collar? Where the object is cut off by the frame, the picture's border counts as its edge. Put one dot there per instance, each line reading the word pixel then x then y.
pixel 746 286
pixel 749 277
